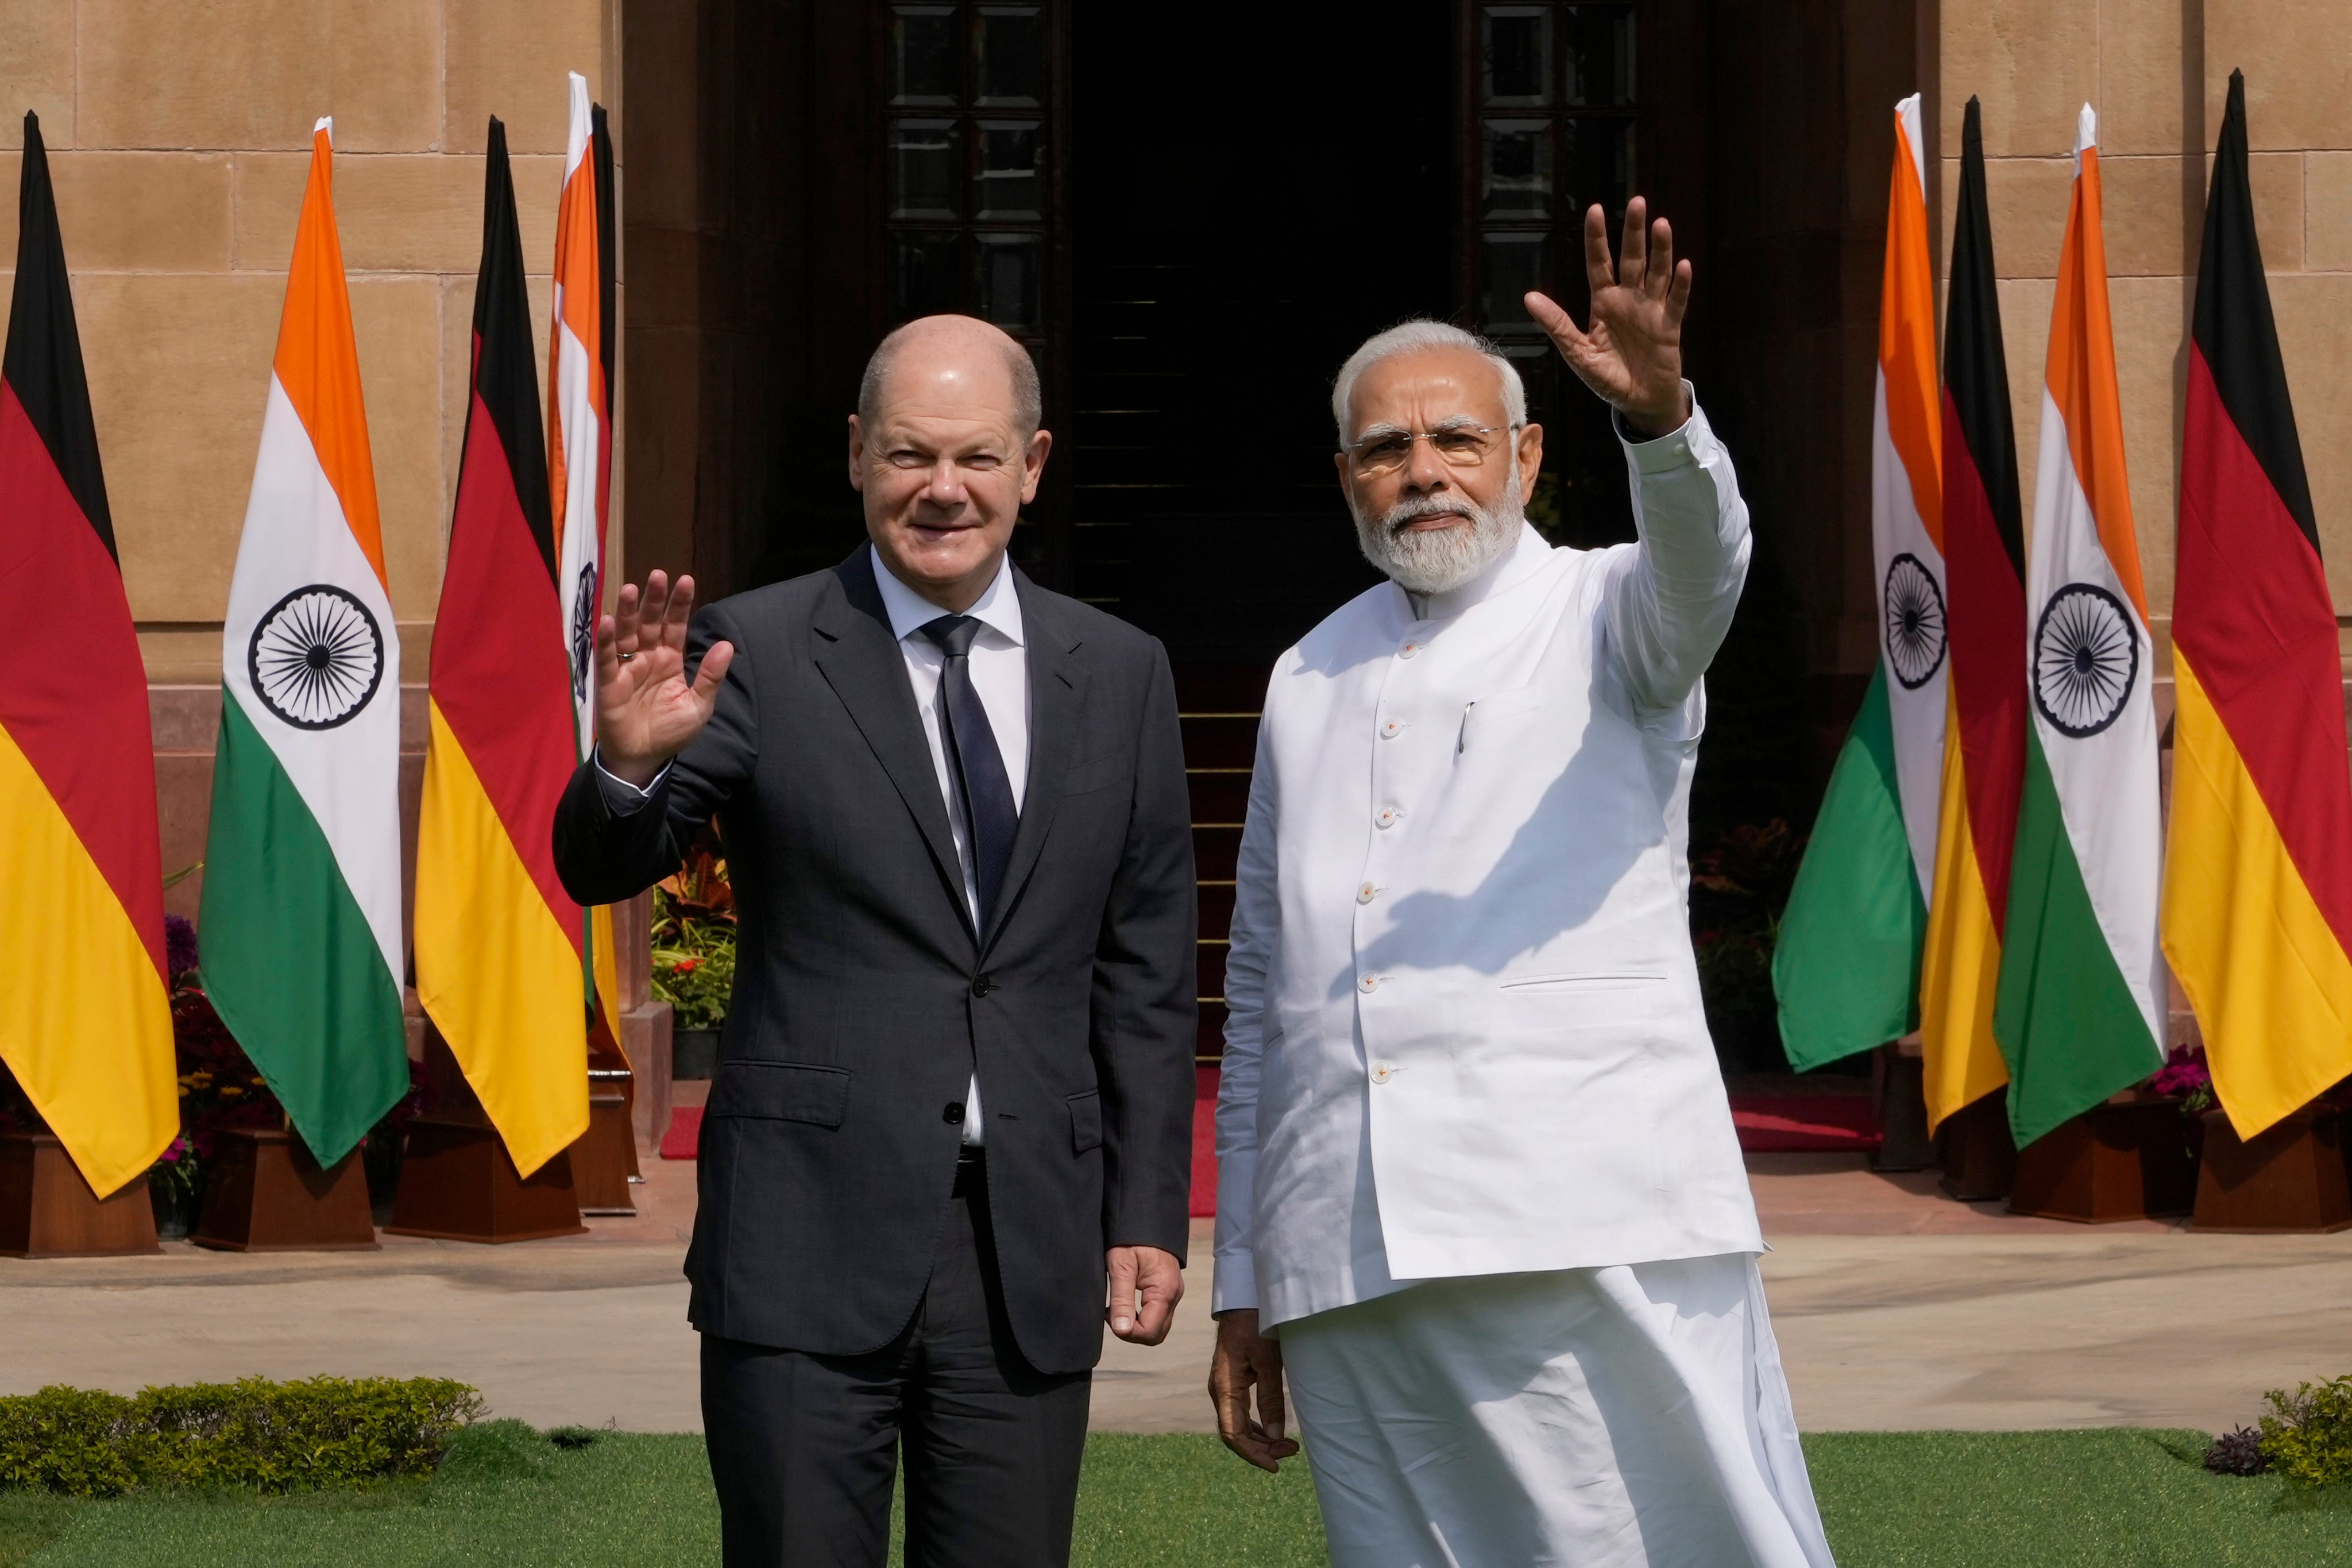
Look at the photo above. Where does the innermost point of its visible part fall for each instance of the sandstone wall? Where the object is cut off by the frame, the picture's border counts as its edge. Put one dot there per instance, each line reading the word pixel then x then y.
pixel 2157 71
pixel 178 133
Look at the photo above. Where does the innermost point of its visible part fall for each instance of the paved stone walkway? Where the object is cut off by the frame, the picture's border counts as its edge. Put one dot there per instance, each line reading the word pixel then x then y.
pixel 1895 1308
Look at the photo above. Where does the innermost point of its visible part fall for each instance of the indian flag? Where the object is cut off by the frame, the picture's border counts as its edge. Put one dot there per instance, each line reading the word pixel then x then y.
pixel 302 899
pixel 1847 965
pixel 2078 1013
pixel 580 446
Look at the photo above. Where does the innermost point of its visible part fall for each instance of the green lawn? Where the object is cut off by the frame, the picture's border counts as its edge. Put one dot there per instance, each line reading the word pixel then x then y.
pixel 2117 1498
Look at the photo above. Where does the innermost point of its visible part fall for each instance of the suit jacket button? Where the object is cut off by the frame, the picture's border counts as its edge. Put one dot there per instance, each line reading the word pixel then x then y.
pixel 982 986
pixel 953 1114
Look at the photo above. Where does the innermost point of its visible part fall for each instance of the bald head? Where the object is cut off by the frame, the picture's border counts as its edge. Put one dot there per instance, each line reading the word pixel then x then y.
pixel 952 353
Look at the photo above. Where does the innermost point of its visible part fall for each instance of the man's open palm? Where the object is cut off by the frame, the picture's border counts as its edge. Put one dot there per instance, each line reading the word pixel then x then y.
pixel 1632 355
pixel 646 709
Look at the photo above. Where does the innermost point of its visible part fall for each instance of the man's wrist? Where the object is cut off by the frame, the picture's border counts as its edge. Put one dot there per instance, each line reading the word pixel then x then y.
pixel 1655 424
pixel 639 772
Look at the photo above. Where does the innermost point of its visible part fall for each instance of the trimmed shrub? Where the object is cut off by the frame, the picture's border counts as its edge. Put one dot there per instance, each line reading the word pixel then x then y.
pixel 253 1434
pixel 2308 1436
pixel 2237 1452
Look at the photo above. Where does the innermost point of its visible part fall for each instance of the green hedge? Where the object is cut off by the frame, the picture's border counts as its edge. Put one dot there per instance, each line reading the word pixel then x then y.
pixel 267 1437
pixel 2308 1436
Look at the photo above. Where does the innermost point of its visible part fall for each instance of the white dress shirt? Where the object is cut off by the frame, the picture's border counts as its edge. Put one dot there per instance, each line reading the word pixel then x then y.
pixel 1464 1030
pixel 1000 675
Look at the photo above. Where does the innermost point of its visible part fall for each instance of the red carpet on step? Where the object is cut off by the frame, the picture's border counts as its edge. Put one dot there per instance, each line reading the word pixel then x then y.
pixel 1807 1124
pixel 683 1139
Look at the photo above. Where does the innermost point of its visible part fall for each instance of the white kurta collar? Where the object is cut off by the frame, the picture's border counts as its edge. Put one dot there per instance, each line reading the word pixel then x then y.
pixel 1521 562
pixel 998 608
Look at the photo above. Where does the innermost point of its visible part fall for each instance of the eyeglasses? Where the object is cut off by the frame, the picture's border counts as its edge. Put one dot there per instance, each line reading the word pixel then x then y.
pixel 1460 446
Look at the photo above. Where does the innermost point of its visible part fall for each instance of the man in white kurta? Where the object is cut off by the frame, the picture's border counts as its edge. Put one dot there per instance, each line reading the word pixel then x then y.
pixel 1479 1190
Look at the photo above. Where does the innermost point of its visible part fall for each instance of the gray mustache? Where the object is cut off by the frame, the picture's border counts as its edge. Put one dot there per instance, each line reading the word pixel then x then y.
pixel 1413 510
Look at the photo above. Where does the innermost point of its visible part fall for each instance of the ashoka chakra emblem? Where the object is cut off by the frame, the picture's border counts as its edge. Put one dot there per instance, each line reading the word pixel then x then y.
pixel 2085 659
pixel 1914 622
pixel 316 657
pixel 583 632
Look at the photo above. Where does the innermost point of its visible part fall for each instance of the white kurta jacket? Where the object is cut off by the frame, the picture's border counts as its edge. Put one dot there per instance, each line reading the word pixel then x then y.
pixel 1464 1031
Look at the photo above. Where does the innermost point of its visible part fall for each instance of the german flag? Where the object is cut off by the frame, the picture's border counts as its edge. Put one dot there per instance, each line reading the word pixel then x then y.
pixel 1984 757
pixel 85 1023
pixel 498 942
pixel 2258 879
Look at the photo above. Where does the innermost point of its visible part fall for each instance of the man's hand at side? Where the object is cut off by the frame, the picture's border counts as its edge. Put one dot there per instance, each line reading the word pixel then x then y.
pixel 1245 1360
pixel 647 710
pixel 1145 1286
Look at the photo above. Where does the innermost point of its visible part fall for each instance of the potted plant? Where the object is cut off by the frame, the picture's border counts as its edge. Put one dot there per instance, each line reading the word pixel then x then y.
pixel 219 1089
pixel 694 958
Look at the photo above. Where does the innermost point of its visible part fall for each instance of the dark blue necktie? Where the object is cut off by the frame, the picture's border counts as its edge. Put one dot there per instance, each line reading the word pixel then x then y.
pixel 977 766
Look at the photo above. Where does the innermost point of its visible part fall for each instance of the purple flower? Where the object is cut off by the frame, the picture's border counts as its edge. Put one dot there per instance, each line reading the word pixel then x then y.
pixel 2184 1072
pixel 179 945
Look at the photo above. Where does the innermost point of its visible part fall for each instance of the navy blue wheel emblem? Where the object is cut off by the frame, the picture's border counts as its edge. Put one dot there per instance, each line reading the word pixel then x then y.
pixel 584 633
pixel 2085 659
pixel 1916 632
pixel 316 657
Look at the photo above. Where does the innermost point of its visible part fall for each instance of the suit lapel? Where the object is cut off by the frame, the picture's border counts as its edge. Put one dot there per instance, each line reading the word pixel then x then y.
pixel 1057 685
pixel 862 661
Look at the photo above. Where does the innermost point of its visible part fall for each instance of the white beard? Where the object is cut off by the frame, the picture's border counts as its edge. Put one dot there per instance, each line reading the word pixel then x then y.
pixel 1435 560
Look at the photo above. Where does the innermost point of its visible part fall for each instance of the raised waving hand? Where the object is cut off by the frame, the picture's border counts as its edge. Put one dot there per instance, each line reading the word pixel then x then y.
pixel 646 709
pixel 1632 355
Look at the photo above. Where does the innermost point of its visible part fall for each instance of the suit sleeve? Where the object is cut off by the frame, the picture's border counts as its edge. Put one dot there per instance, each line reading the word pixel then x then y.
pixel 1145 976
pixel 1256 931
pixel 604 856
pixel 1668 601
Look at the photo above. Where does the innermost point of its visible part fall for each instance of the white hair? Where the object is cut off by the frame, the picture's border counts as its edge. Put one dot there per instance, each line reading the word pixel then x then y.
pixel 1414 337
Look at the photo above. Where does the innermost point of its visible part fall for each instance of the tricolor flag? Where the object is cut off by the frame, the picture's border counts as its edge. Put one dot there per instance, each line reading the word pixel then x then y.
pixel 580 442
pixel 1846 969
pixel 2258 875
pixel 2079 1012
pixel 301 904
pixel 1984 757
pixel 497 940
pixel 85 1025
pixel 576 405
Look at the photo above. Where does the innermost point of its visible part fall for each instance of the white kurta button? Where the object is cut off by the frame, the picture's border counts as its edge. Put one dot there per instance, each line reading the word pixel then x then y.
pixel 1367 893
pixel 1386 816
pixel 1409 651
pixel 1390 730
pixel 1369 982
pixel 1382 1072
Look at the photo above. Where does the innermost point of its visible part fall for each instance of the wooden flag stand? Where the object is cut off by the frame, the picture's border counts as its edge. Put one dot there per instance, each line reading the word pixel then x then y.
pixel 1980 1157
pixel 268 1194
pixel 2289 1178
pixel 2128 1159
pixel 47 1210
pixel 605 1157
pixel 457 1182
pixel 1896 1072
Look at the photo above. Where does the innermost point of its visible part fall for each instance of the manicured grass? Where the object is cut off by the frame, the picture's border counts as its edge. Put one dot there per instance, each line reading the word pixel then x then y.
pixel 2114 1497
pixel 508 1496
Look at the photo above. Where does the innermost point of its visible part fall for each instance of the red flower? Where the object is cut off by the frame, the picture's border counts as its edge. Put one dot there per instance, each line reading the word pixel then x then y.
pixel 684 966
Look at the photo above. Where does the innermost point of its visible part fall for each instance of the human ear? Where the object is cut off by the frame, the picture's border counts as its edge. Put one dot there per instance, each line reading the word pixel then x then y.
pixel 857 454
pixel 1033 464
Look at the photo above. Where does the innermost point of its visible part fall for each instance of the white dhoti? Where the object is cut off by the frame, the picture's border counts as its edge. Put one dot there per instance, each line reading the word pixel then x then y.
pixel 1633 1417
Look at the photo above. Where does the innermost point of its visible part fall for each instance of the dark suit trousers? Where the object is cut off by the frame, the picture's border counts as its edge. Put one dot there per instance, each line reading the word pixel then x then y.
pixel 803 1448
